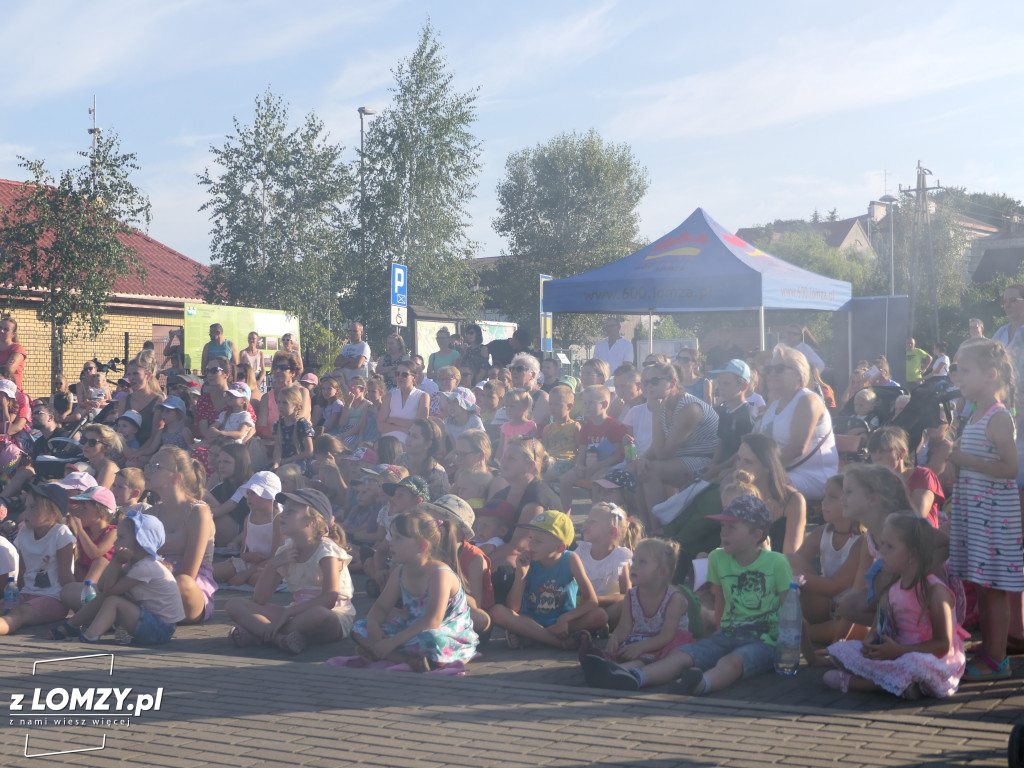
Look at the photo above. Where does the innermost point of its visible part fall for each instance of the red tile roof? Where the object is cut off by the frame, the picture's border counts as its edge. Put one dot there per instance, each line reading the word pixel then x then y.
pixel 169 274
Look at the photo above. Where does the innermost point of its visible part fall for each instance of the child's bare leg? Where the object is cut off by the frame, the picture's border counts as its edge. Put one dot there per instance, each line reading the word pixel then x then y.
pixel 523 625
pixel 87 612
pixel 114 609
pixel 994 612
pixel 317 625
pixel 192 598
pixel 481 620
pixel 254 618
pixel 595 618
pixel 828 632
pixel 668 669
pixel 816 608
pixel 727 671
pixel 565 485
pixel 22 616
pixel 223 570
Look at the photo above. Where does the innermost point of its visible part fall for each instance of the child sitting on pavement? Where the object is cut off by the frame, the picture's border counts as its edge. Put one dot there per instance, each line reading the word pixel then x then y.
pixel 606 551
pixel 748 583
pixel 261 532
pixel 600 445
pixel 551 598
pixel 655 620
pixel 493 525
pixel 402 496
pixel 473 563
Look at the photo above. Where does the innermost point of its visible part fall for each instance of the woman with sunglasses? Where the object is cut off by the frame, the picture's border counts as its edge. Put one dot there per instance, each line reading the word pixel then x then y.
pixel 525 370
pixel 688 363
pixel 799 422
pixel 685 435
pixel 404 405
pixel 218 346
pixel 99 445
pixel 284 371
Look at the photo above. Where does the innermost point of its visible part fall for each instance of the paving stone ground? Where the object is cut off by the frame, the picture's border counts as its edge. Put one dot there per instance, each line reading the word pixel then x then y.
pixel 256 707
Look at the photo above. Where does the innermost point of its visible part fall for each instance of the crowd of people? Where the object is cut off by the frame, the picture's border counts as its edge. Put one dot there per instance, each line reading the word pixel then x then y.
pixel 450 483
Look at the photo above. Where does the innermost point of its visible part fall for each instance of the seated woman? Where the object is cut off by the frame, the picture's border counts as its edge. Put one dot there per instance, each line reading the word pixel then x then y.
pixel 800 424
pixel 403 405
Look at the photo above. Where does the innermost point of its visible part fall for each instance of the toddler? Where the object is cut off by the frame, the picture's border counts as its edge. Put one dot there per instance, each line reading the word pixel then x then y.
pixel 236 421
pixel 261 533
pixel 493 525
pixel 606 551
pixel 561 436
pixel 128 425
pixel 171 424
pixel 460 405
pixel 93 521
pixel 517 407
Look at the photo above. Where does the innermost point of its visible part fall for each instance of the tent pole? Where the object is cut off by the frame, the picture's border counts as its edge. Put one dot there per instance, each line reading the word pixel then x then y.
pixel 650 331
pixel 760 324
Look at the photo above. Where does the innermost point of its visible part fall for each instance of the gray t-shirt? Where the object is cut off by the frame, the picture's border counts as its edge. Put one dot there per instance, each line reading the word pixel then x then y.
pixel 362 349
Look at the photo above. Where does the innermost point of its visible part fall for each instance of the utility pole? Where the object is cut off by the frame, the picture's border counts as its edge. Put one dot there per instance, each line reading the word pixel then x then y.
pixel 922 251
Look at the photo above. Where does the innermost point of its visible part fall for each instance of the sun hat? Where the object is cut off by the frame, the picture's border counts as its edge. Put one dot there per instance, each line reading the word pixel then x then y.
pixel 102 496
pixel 133 416
pixel 149 531
pixel 456 511
pixel 8 388
pixel 362 454
pixel 240 389
pixel 264 484
pixel 379 468
pixel 464 398
pixel 415 484
pixel 174 403
pixel 554 522
pixel 51 492
pixel 77 482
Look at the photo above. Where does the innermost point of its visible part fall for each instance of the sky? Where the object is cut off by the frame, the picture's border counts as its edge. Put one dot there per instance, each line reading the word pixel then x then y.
pixel 753 111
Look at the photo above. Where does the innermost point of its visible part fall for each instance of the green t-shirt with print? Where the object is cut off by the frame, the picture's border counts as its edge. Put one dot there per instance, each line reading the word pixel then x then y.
pixel 915 358
pixel 751 593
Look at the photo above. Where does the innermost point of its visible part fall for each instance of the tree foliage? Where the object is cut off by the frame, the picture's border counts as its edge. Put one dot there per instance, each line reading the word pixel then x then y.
pixel 63 239
pixel 565 207
pixel 277 202
pixel 420 166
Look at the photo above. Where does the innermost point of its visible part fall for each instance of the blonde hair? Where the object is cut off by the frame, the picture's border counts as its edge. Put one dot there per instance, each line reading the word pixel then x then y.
pixel 866 395
pixel 563 392
pixel 739 483
pixel 291 395
pixel 450 370
pixel 796 359
pixel 498 387
pixel 108 438
pixel 134 478
pixel 598 390
pixel 664 551
pixel 599 365
pixel 193 474
pixel 146 361
pixel 518 397
pixel 440 534
pixel 323 529
pixel 987 353
pixel 532 449
pixel 293 473
pixel 628 530
pixel 479 440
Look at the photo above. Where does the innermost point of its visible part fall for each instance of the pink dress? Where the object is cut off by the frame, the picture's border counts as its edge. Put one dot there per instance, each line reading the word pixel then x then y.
pixel 645 627
pixel 908 623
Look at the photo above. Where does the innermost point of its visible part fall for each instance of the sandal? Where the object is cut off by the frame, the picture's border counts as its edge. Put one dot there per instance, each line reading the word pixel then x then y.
pixel 240 637
pixel 293 643
pixel 64 631
pixel 514 641
pixel 996 670
pixel 837 680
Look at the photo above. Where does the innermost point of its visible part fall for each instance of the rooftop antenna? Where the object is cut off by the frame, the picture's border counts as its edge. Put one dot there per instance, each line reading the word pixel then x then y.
pixel 95 130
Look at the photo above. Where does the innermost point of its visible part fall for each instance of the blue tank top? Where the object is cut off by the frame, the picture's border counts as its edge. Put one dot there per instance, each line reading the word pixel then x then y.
pixel 219 350
pixel 549 592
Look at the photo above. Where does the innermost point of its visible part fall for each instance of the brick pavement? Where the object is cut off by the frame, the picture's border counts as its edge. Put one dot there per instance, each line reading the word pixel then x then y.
pixel 223 707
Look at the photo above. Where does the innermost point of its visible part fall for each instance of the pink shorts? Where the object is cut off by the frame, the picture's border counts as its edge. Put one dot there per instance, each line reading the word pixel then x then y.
pixel 46 609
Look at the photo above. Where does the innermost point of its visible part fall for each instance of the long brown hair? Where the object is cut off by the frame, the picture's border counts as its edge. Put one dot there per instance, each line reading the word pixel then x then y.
pixel 438 532
pixel 918 536
pixel 766 450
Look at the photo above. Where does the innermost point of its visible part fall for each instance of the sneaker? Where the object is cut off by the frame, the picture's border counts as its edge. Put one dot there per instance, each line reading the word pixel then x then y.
pixel 688 683
pixel 599 673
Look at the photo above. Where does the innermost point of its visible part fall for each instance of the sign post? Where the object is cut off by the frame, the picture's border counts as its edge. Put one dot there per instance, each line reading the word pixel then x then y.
pixel 399 295
pixel 546 337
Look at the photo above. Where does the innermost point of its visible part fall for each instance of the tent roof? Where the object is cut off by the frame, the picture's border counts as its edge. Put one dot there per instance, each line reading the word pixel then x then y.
pixel 698 266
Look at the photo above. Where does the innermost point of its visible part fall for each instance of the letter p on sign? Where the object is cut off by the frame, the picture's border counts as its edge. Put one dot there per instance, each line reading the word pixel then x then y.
pixel 399 285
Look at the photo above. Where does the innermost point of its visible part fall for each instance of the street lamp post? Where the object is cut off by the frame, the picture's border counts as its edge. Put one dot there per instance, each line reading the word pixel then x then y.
pixel 890 201
pixel 363 112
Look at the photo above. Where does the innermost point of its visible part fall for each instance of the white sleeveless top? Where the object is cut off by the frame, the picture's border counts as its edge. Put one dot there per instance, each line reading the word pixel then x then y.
pixel 408 411
pixel 831 558
pixel 809 478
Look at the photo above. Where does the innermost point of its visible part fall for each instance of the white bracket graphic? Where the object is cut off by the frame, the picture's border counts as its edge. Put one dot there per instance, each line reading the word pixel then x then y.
pixel 66 751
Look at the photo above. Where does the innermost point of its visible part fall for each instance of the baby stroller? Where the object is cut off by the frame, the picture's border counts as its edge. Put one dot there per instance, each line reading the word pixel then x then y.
pixel 853 429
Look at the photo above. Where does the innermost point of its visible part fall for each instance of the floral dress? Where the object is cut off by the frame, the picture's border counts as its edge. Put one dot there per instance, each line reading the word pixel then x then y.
pixel 288 447
pixel 907 622
pixel 453 641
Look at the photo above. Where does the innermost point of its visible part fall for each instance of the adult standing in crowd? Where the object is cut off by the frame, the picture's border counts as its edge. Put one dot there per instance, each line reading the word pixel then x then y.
pixel 218 346
pixel 975 328
pixel 12 354
pixel 445 355
pixel 145 396
pixel 688 363
pixel 284 371
pixel 798 421
pixel 387 364
pixel 252 356
pixel 475 356
pixel 290 346
pixel 404 405
pixel 796 337
pixel 354 357
pixel 503 350
pixel 917 362
pixel 614 350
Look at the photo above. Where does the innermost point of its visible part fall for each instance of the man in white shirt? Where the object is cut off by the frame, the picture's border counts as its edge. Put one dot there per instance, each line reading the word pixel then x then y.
pixel 615 350
pixel 795 339
pixel 354 356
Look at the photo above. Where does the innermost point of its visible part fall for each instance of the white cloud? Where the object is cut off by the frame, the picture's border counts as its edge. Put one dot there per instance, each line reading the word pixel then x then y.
pixel 811 73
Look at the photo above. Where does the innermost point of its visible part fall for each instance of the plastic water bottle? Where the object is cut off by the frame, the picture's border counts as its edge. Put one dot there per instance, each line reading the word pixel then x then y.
pixel 12 595
pixel 88 592
pixel 630 451
pixel 791 621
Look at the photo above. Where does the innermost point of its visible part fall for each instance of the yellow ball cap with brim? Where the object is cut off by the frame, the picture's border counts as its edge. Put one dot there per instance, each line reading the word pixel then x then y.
pixel 554 522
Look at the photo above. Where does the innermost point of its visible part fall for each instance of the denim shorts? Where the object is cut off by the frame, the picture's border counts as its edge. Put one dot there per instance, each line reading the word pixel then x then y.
pixel 757 656
pixel 151 630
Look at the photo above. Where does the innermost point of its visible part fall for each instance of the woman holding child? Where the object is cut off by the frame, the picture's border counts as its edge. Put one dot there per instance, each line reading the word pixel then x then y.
pixel 188 548
pixel 798 421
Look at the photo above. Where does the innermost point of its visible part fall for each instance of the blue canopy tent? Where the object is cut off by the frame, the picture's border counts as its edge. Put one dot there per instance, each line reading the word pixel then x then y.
pixel 697 267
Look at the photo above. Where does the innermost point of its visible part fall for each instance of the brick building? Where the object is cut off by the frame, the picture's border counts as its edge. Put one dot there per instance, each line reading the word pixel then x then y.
pixel 137 311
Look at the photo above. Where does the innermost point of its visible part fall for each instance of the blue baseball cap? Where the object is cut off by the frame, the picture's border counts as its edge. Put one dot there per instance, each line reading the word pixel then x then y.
pixel 174 403
pixel 736 367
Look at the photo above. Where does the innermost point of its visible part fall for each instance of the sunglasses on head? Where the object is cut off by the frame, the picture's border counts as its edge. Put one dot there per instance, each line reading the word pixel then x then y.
pixel 214 371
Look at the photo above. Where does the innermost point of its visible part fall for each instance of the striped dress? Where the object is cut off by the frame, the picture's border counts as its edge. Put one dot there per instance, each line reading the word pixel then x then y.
pixel 985 529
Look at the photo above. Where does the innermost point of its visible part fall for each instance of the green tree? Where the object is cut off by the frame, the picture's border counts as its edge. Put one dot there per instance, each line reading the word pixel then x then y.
pixel 278 202
pixel 421 162
pixel 63 239
pixel 565 207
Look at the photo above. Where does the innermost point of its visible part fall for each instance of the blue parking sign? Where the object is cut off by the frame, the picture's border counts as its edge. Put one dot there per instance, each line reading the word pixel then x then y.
pixel 399 285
